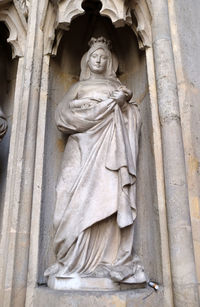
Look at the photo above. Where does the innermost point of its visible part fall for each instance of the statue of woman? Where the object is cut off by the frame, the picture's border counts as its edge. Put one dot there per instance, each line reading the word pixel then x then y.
pixel 95 208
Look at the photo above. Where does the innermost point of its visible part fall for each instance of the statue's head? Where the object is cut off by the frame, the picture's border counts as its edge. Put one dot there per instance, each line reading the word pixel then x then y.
pixel 99 59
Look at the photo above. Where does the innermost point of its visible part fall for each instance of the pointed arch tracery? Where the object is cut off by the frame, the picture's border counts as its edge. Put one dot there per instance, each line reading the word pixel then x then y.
pixel 16 27
pixel 135 14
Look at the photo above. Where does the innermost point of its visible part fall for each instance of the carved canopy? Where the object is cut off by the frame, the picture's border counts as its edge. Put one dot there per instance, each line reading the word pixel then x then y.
pixel 119 11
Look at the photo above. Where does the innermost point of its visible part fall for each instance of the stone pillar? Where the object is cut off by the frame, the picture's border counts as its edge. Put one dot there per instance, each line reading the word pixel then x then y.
pixel 185 292
pixel 157 152
pixel 19 194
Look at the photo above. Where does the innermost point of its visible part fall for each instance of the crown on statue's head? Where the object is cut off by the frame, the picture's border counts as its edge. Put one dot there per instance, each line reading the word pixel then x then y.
pixel 101 41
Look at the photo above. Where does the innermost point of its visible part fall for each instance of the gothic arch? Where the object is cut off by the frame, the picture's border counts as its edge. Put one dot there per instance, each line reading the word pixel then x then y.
pixel 136 14
pixel 16 29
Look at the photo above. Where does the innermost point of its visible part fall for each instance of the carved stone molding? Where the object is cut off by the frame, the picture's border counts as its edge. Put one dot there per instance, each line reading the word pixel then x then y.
pixel 16 29
pixel 67 10
pixel 51 37
pixel 23 5
pixel 120 12
pixel 143 27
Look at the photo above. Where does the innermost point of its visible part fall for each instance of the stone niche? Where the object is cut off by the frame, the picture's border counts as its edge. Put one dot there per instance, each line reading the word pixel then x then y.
pixel 8 71
pixel 64 71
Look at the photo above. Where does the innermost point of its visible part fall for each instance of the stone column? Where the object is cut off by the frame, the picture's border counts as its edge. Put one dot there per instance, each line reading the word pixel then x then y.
pixel 15 241
pixel 185 292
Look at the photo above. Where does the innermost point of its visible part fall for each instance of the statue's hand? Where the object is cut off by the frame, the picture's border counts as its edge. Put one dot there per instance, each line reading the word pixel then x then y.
pixel 126 91
pixel 119 96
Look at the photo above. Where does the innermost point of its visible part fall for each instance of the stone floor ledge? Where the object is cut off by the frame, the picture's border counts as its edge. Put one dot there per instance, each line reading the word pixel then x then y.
pixel 147 297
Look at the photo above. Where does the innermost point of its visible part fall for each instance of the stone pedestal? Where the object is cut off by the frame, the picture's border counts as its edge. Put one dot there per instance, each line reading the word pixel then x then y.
pixel 92 284
pixel 139 297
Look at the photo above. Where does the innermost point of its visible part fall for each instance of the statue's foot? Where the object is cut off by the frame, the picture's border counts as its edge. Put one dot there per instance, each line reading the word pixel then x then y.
pixel 138 278
pixel 128 274
pixel 119 273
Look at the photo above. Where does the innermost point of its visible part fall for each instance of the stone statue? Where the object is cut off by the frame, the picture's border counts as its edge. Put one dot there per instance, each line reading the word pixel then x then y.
pixel 3 124
pixel 96 191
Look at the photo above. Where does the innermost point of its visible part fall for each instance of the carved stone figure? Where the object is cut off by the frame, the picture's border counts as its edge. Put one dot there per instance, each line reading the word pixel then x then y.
pixel 3 124
pixel 96 191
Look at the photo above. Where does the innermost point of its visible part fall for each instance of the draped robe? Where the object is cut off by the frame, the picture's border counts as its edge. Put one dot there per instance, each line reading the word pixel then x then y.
pixel 95 207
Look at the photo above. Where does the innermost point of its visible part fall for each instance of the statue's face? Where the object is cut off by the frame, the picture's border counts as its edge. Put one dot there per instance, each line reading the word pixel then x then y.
pixel 98 61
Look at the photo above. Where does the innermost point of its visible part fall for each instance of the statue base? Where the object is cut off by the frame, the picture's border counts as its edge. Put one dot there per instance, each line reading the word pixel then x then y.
pixel 93 284
pixel 144 297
